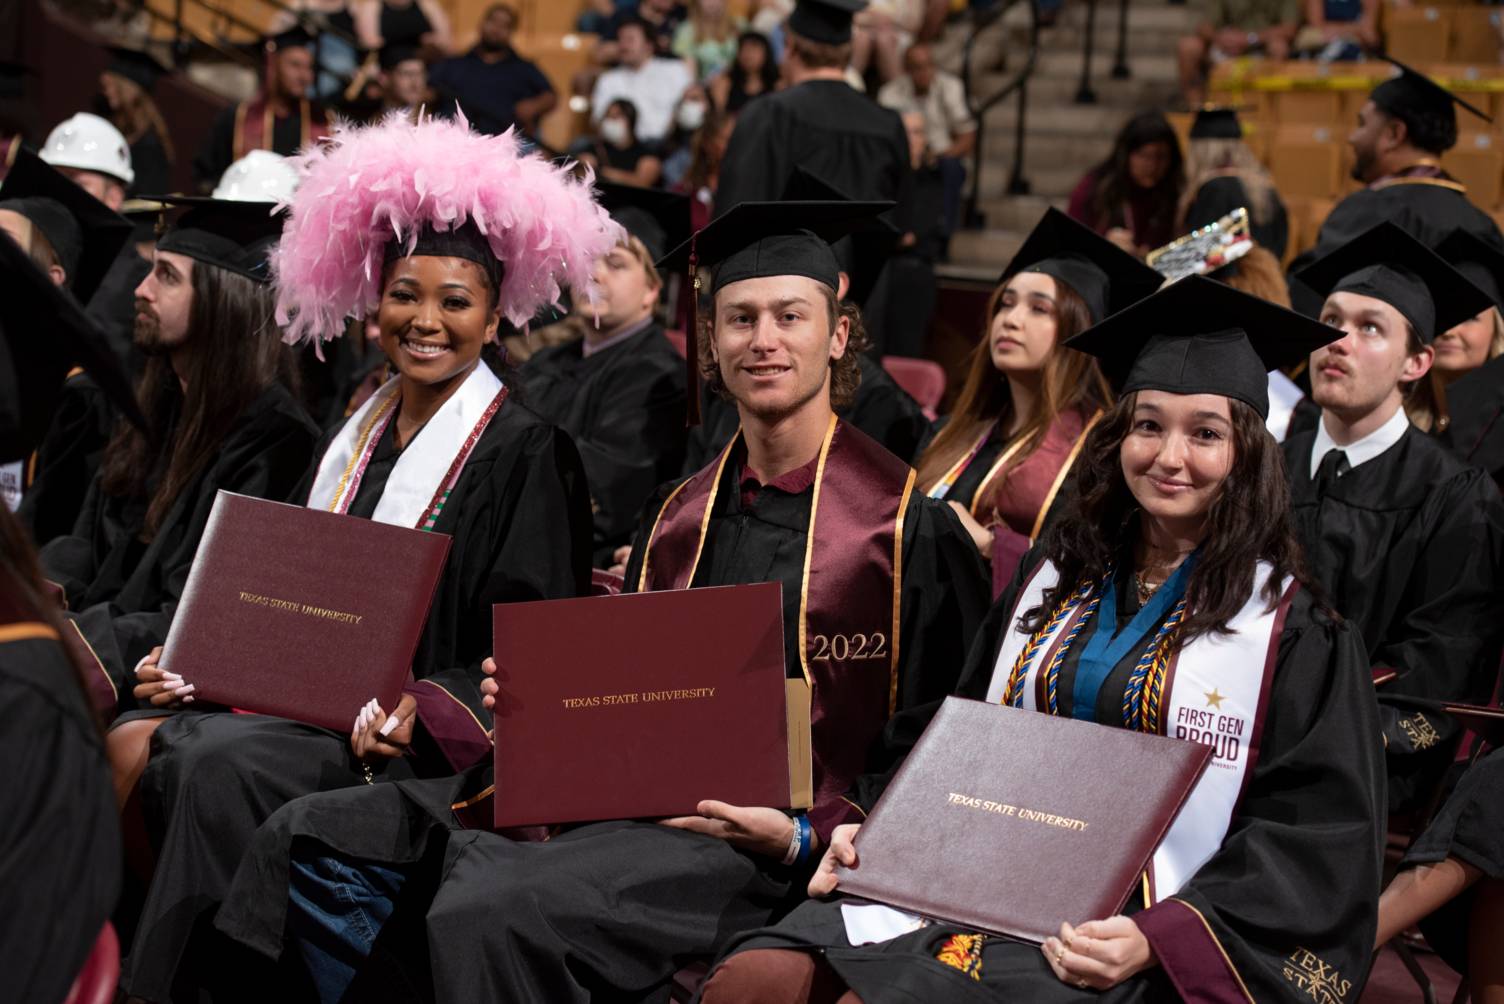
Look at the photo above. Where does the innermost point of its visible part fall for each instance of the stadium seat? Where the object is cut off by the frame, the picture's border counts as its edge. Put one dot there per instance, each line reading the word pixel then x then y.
pixel 1306 161
pixel 677 340
pixel 924 380
pixel 1474 34
pixel 1417 34
pixel 1478 162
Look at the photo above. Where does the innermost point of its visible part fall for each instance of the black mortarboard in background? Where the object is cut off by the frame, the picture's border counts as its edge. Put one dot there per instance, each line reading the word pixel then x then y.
pixel 136 65
pixel 1214 122
pixel 86 234
pixel 1198 336
pixel 1410 92
pixel 755 240
pixel 1386 263
pixel 827 22
pixel 235 236
pixel 1480 263
pixel 1105 276
pixel 396 53
pixel 43 334
pixel 297 36
pixel 658 218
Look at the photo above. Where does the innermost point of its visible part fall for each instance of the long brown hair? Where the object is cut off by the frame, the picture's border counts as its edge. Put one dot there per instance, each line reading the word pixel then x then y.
pixel 237 354
pixel 1248 522
pixel 138 114
pixel 1070 379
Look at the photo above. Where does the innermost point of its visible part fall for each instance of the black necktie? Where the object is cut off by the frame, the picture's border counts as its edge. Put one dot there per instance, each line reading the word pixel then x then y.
pixel 1333 466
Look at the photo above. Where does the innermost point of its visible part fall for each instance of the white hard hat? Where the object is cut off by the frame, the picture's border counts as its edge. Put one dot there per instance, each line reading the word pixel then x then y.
pixel 259 176
pixel 89 143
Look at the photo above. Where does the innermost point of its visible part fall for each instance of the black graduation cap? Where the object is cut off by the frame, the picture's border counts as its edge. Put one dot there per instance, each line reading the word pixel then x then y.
pixel 1101 273
pixel 297 36
pixel 1198 336
pixel 1480 263
pixel 44 333
pixel 658 218
pixel 1216 122
pixel 825 21
pixel 805 185
pixel 1410 92
pixel 1386 263
pixel 232 235
pixel 86 234
pixel 396 53
pixel 755 240
pixel 136 65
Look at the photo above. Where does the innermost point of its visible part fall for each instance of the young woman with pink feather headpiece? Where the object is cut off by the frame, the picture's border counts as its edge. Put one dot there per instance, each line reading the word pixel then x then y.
pixel 436 234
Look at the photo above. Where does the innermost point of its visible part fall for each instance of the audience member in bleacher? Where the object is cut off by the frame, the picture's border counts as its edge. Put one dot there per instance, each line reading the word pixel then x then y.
pixel 337 55
pixel 125 99
pixel 651 83
pixel 708 37
pixel 1408 122
pixel 1406 540
pixel 662 19
pixel 279 117
pixel 1338 30
pixel 1451 881
pixel 1005 450
pixel 1133 196
pixel 753 73
pixel 421 23
pixel 1231 28
pixel 619 390
pixel 616 152
pixel 883 31
pixel 818 122
pixel 1223 174
pixel 950 133
pixel 494 86
pixel 404 79
pixel 701 177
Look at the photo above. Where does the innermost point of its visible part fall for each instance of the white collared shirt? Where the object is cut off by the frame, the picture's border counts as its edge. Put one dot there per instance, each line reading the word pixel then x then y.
pixel 1363 450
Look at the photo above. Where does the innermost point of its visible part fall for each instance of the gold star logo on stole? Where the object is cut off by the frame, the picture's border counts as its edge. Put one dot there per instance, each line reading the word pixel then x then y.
pixel 1214 699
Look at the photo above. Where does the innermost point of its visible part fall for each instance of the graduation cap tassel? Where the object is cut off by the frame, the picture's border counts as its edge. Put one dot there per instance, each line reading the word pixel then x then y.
pixel 692 343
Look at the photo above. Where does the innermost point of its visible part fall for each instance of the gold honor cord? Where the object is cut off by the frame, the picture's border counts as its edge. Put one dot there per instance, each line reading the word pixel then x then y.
pixel 360 450
pixel 903 508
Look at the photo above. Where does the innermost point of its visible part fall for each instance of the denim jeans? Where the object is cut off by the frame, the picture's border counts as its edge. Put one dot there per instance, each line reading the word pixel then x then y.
pixel 335 909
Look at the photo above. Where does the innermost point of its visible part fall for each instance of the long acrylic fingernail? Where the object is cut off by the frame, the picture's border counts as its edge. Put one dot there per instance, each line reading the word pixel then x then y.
pixel 188 699
pixel 188 689
pixel 390 725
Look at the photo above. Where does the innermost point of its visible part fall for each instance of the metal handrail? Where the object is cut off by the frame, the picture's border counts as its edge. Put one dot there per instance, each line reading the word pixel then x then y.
pixel 230 52
pixel 1017 184
pixel 1085 93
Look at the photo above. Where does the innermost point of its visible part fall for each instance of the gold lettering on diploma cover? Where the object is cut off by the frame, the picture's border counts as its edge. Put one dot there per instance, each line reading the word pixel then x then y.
pixel 1016 811
pixel 638 697
pixel 306 609
pixel 1316 979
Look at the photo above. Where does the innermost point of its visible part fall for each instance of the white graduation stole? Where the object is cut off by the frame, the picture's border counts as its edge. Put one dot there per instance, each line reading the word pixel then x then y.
pixel 1216 690
pixel 424 463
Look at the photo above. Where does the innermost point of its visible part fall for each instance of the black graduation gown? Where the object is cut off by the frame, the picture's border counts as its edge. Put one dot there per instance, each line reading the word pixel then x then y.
pixel 59 829
pixel 113 304
pixel 624 408
pixel 122 592
pixel 1297 875
pixel 519 519
pixel 1220 196
pixel 1427 211
pixel 610 905
pixel 67 459
pixel 1409 548
pixel 1469 827
pixel 845 138
pixel 218 151
pixel 881 408
pixel 149 164
pixel 1475 407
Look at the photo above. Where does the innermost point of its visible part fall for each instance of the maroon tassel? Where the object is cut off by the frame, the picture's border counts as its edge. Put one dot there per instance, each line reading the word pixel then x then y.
pixel 692 343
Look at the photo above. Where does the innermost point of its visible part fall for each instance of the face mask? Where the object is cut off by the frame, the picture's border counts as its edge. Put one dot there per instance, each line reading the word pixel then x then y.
pixel 614 131
pixel 691 115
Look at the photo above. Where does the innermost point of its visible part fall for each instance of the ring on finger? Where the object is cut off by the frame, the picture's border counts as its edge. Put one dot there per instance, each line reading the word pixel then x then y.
pixel 1060 956
pixel 1081 983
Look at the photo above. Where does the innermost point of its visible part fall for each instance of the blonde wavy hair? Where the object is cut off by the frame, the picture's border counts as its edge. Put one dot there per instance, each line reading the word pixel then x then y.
pixel 1217 158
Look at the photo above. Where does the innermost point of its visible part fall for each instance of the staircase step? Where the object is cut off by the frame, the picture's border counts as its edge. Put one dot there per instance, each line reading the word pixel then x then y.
pixel 986 249
pixel 1018 213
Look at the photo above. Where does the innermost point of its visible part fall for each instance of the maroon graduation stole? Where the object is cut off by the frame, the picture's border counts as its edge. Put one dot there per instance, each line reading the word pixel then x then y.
pixel 255 124
pixel 849 602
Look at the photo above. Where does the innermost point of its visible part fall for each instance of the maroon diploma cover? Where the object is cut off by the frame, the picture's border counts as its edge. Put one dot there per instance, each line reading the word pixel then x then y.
pixel 1010 821
pixel 300 613
pixel 643 705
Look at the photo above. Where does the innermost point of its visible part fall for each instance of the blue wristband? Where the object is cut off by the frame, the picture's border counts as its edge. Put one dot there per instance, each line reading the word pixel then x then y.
pixel 806 838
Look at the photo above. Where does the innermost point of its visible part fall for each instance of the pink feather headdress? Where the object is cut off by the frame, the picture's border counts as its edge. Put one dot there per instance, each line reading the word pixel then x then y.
pixel 369 185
